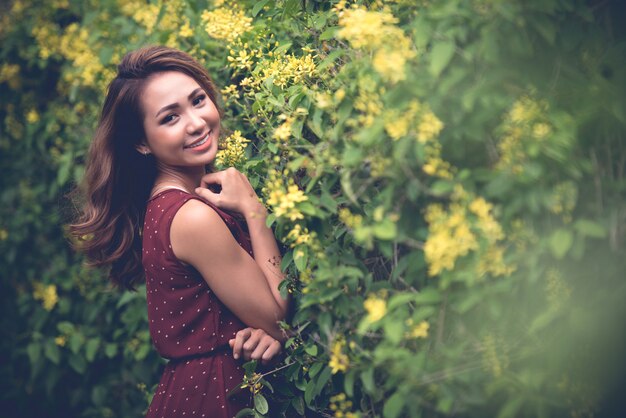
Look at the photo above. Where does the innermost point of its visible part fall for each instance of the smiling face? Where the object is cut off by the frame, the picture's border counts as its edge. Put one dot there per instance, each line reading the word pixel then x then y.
pixel 181 122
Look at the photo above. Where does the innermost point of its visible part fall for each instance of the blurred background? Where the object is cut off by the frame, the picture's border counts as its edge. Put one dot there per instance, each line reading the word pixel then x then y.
pixel 446 179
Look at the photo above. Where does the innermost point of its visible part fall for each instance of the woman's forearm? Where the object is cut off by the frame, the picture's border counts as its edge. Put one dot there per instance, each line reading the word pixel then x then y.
pixel 266 253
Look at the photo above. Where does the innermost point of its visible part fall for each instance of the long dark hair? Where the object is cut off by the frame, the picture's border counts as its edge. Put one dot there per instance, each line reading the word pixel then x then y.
pixel 118 179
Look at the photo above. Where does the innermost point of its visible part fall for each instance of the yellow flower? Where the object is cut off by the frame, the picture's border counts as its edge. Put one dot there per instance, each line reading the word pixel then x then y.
pixel 283 132
pixel 449 238
pixel 284 197
pixel 341 406
pixel 60 340
pixel 339 361
pixel 429 127
pixel 10 74
pixel 365 29
pixel 376 308
pixel 233 152
pixel 420 330
pixel 230 91
pixel 285 70
pixel 32 116
pixel 186 31
pixel 47 295
pixel 227 23
pixel 541 130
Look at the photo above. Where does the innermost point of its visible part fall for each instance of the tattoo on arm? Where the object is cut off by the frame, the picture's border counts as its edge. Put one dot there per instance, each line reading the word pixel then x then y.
pixel 274 261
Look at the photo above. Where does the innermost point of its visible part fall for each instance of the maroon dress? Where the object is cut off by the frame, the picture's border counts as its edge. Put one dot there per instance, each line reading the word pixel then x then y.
pixel 188 323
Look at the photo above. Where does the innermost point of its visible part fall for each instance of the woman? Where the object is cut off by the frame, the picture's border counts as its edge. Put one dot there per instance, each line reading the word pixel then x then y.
pixel 212 286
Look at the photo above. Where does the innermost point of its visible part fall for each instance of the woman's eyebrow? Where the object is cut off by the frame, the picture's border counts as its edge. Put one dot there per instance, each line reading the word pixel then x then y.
pixel 175 105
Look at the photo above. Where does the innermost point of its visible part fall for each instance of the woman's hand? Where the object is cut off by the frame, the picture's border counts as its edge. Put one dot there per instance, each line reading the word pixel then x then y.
pixel 255 344
pixel 236 192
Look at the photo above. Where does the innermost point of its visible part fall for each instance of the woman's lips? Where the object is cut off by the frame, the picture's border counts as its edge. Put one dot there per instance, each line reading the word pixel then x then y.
pixel 201 144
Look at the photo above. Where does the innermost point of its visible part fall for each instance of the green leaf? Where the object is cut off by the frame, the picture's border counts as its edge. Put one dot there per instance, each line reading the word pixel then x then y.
pixel 440 56
pixel 34 352
pixel 78 363
pixel 260 404
pixel 322 379
pixel 348 383
pixel 329 33
pixel 110 350
pixel 258 6
pixel 511 408
pixel 91 348
pixel 560 242
pixel 428 295
pixel 301 253
pixel 385 230
pixel 590 228
pixel 394 330
pixel 246 412
pixel 367 377
pixel 298 405
pixel 52 352
pixel 311 350
pixel 393 406
pixel 126 297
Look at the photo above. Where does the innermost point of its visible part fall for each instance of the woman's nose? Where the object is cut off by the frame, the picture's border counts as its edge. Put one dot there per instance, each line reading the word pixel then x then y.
pixel 195 123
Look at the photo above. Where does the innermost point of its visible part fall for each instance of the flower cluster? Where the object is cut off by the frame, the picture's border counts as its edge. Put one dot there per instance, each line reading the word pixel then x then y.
pixel 46 294
pixel 376 31
pixel 339 361
pixel 233 149
pixel 341 406
pixel 9 73
pixel 299 235
pixel 283 197
pixel 557 291
pixel 449 238
pixel 283 132
pixel 253 382
pixel 417 330
pixel 495 357
pixel 376 308
pixel 525 129
pixel 563 199
pixel 226 23
pixel 351 220
pixel 286 70
pixel 456 232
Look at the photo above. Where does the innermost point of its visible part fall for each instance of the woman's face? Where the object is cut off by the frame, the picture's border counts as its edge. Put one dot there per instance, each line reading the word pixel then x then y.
pixel 181 123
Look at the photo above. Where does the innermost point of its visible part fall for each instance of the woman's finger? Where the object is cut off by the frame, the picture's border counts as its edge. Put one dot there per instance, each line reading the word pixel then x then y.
pixel 207 195
pixel 240 339
pixel 251 344
pixel 212 178
pixel 261 347
pixel 272 351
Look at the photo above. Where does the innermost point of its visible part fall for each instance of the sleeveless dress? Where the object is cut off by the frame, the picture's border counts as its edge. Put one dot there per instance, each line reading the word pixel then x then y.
pixel 188 323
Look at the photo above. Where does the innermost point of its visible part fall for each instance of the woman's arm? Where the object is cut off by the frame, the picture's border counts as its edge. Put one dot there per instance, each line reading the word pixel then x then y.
pixel 237 194
pixel 200 237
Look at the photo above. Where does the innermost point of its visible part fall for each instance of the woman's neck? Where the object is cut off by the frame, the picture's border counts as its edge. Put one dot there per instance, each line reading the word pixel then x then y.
pixel 184 180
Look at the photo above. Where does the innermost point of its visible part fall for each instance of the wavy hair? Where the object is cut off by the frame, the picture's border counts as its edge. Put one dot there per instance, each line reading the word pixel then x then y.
pixel 118 179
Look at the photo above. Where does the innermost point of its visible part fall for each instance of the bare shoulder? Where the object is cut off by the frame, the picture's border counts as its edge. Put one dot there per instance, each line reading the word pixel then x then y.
pixel 194 211
pixel 197 226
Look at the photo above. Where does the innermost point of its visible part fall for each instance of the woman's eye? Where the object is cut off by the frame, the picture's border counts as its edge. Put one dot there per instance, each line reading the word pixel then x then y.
pixel 167 119
pixel 199 99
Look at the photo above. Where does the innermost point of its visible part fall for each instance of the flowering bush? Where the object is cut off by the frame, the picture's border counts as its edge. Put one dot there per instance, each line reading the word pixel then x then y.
pixel 446 179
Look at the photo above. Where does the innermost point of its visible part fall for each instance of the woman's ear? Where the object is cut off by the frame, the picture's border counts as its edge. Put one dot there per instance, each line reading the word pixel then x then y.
pixel 142 148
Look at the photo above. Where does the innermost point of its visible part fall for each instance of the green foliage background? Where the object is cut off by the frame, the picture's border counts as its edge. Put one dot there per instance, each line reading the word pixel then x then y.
pixel 461 238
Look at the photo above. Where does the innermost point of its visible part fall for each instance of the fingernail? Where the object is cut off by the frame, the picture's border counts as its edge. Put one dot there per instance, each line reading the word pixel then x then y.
pixel 236 356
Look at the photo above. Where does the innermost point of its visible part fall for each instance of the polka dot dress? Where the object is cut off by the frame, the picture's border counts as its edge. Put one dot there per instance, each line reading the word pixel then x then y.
pixel 188 324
